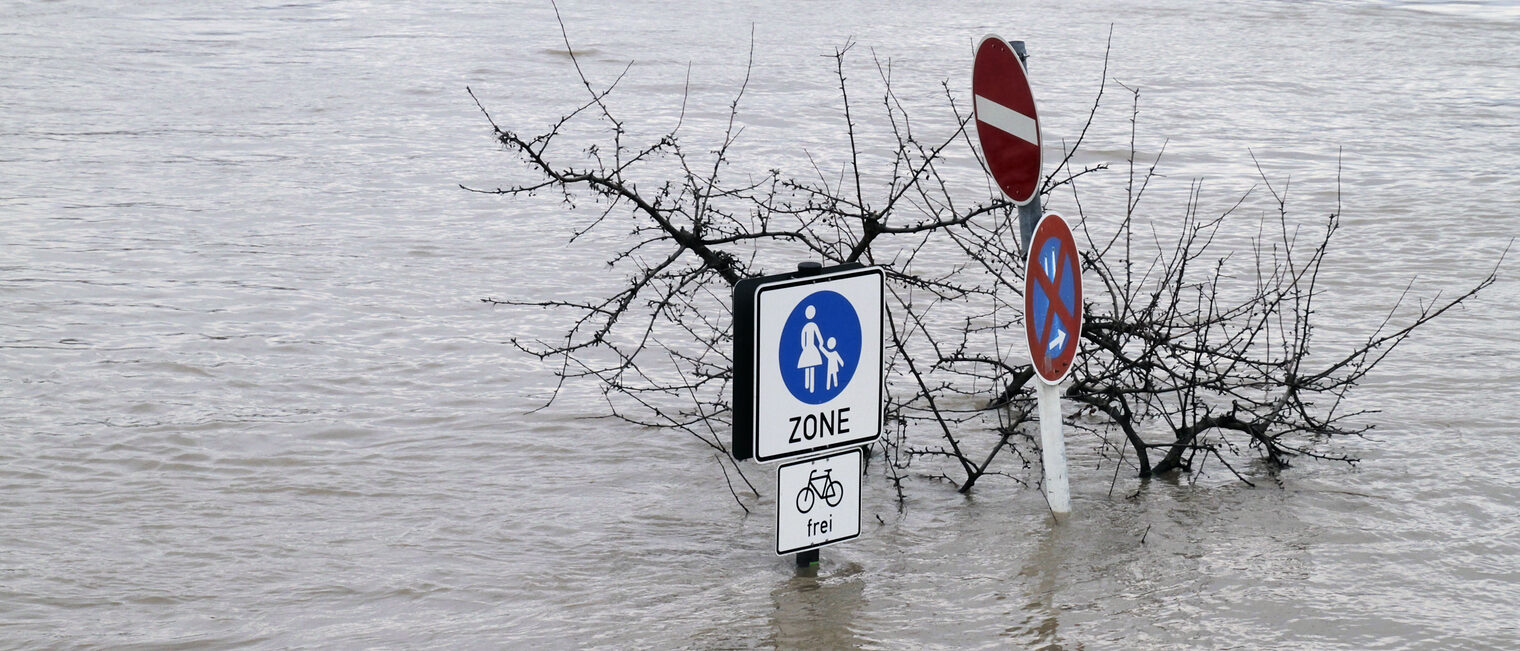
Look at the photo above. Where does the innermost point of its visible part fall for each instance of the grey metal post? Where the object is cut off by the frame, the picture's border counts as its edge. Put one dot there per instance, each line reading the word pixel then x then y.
pixel 1029 213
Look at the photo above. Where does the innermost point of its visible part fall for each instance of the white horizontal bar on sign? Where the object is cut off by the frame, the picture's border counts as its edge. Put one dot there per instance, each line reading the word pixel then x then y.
pixel 1012 122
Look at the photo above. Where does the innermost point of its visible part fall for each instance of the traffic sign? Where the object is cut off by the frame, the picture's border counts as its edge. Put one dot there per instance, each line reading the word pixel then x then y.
pixel 808 362
pixel 817 501
pixel 1006 122
pixel 1053 299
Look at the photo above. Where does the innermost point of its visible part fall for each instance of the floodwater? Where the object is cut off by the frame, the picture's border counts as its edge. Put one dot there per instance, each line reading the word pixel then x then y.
pixel 249 395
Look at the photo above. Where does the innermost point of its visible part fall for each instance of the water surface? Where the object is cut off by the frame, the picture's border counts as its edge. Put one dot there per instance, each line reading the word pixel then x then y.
pixel 249 396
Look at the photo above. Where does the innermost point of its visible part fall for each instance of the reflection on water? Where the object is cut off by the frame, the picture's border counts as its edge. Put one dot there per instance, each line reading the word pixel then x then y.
pixel 1040 630
pixel 820 608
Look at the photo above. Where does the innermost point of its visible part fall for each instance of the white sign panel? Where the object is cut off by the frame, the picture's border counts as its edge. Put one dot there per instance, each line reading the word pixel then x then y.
pixel 818 363
pixel 817 501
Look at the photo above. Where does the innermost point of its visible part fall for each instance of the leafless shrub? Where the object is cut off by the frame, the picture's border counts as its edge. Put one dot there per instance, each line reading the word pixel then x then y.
pixel 1175 366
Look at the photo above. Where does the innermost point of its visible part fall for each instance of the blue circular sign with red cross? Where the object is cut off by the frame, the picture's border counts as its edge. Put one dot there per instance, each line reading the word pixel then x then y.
pixel 1006 121
pixel 1053 299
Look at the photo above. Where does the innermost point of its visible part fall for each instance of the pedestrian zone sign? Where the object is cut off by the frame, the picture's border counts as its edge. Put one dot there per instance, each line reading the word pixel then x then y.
pixel 1007 124
pixel 808 367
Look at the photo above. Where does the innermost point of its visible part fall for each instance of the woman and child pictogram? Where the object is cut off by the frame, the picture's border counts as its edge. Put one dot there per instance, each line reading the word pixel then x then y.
pixel 819 347
pixel 815 351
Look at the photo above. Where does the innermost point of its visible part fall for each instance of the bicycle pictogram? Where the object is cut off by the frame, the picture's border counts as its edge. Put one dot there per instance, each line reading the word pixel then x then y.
pixel 820 485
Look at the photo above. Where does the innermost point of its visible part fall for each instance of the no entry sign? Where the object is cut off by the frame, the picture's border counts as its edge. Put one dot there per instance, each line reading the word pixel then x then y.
pixel 818 501
pixel 1053 299
pixel 1006 122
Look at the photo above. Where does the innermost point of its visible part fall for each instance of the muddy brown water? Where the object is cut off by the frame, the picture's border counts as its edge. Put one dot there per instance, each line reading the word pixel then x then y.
pixel 249 396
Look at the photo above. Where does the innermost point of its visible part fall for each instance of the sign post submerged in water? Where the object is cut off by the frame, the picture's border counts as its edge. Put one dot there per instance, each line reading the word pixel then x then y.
pixel 808 350
pixel 1008 127
pixel 1053 330
pixel 818 501
pixel 1007 124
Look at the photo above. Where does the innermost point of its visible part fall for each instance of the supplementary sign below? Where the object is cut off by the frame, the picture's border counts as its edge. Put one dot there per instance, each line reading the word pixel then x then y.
pixel 818 501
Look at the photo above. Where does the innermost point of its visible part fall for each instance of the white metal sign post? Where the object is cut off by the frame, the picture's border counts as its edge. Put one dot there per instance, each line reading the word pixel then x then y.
pixel 817 501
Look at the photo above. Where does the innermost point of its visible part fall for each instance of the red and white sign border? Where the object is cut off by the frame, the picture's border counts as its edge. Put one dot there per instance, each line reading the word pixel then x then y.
pixel 1010 121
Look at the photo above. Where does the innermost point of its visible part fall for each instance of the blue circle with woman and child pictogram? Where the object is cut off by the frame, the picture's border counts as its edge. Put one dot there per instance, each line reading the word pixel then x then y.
pixel 820 347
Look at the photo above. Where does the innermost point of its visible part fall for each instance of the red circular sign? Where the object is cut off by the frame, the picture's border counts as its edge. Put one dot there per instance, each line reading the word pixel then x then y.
pixel 1006 122
pixel 1053 299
